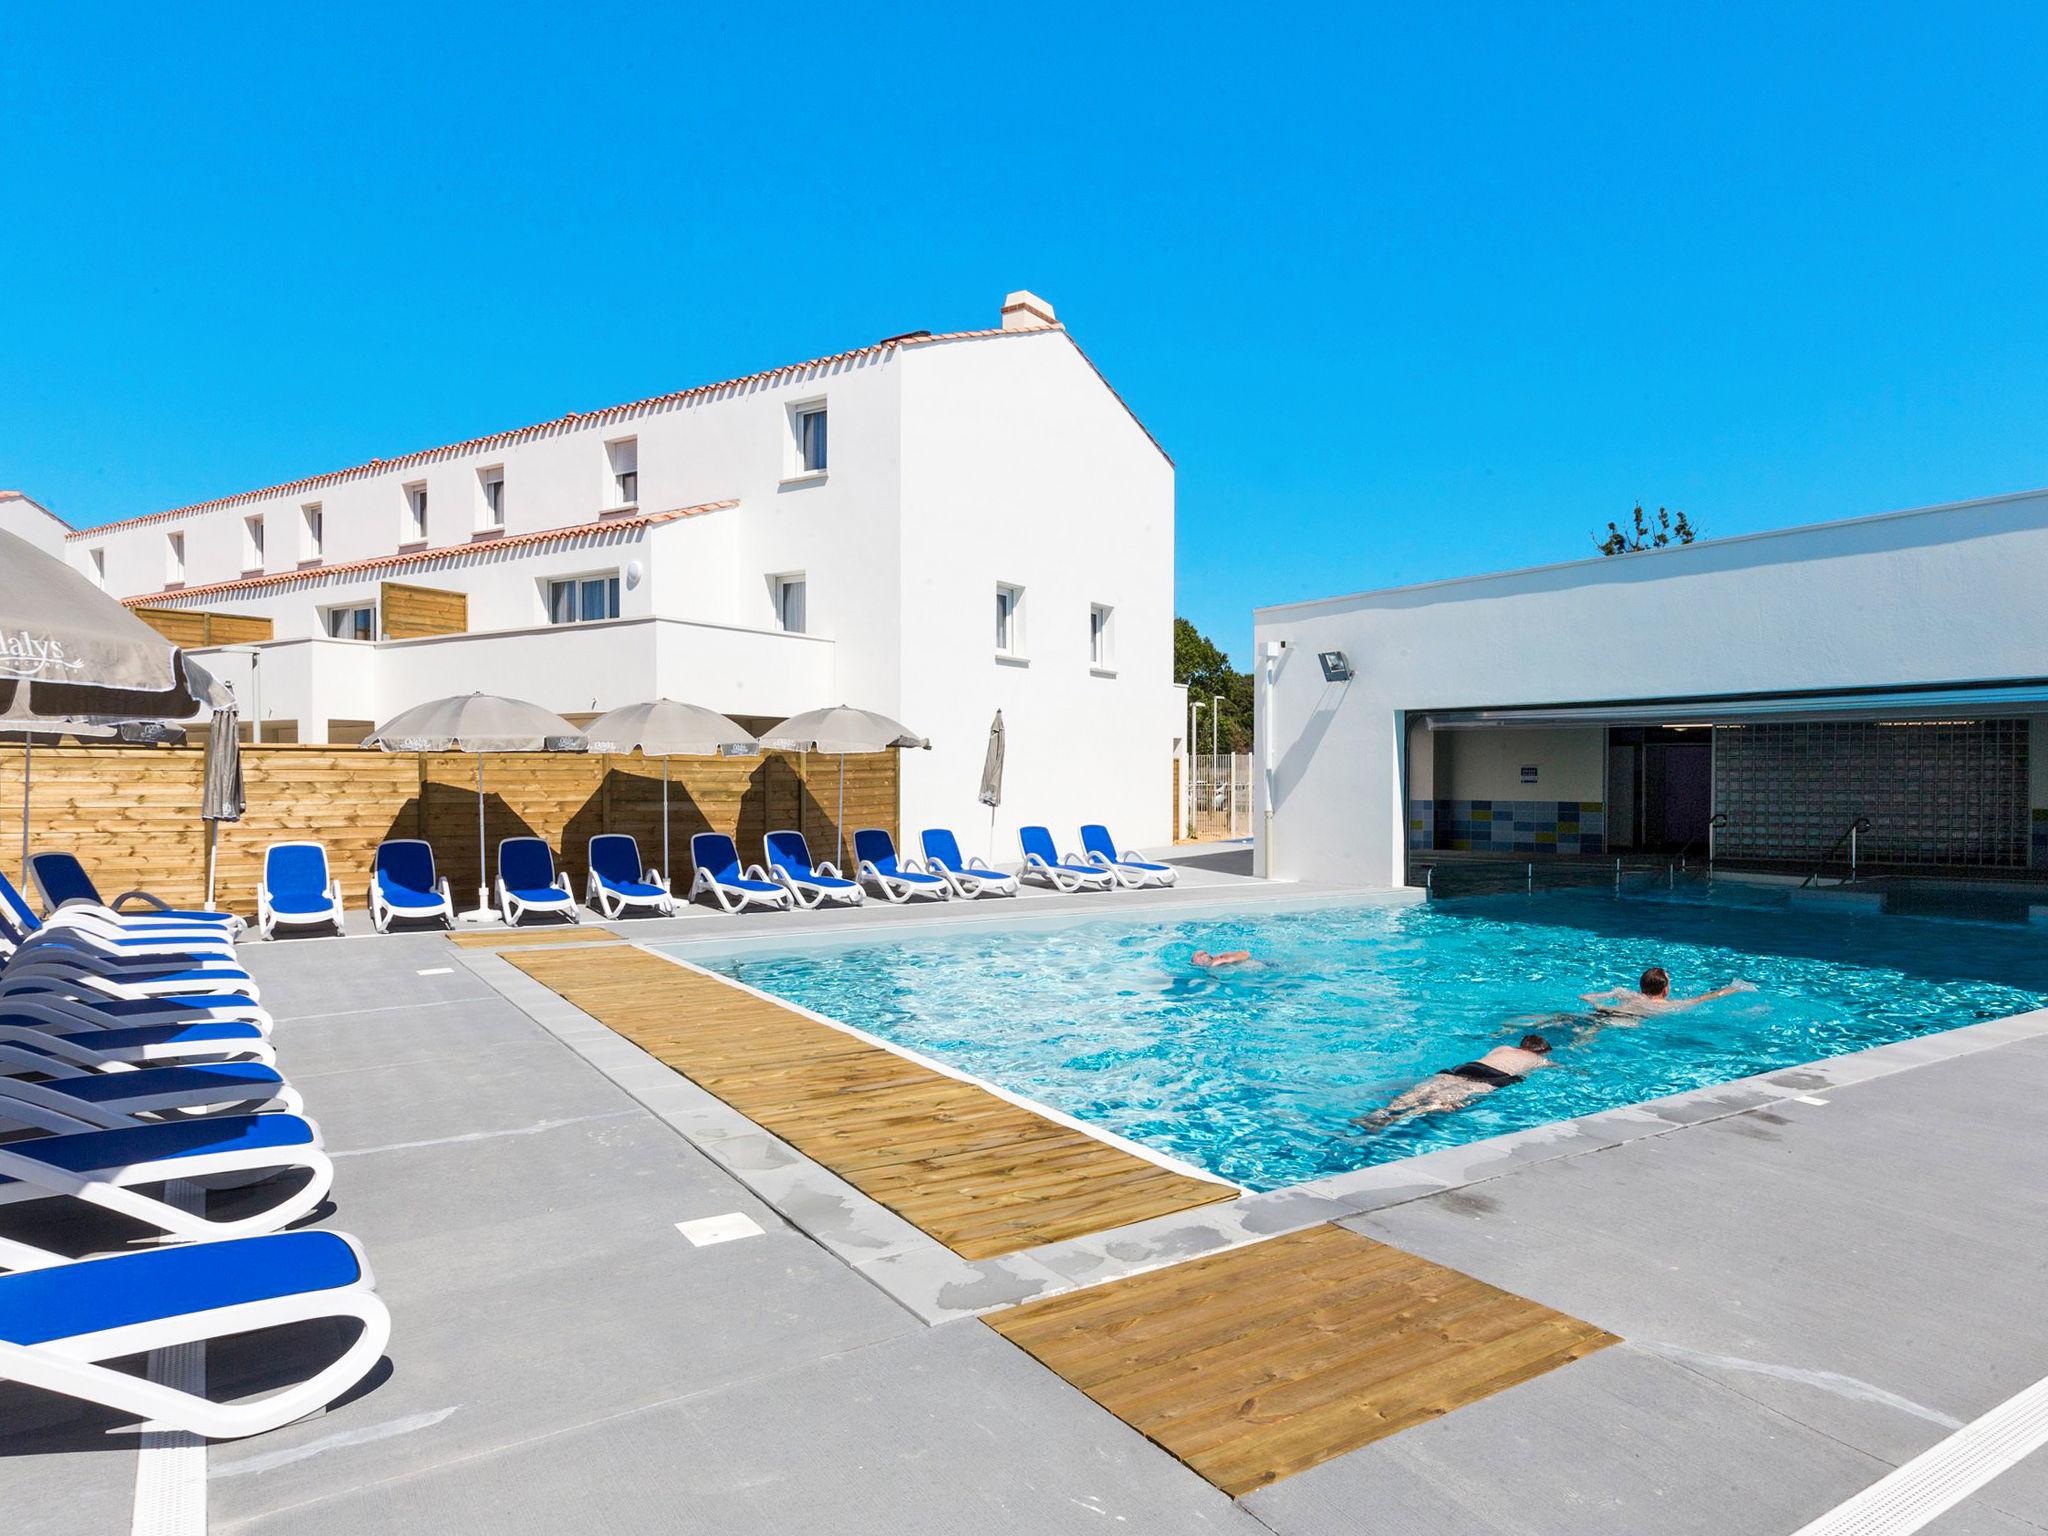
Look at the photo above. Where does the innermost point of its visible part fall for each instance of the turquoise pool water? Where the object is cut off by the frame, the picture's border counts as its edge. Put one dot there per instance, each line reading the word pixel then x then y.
pixel 1258 1076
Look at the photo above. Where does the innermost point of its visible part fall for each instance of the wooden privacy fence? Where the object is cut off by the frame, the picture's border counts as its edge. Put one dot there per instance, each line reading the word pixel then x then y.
pixel 132 813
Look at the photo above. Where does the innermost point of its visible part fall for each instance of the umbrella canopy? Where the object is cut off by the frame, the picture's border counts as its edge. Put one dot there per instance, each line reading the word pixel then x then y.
pixel 665 728
pixel 477 722
pixel 842 728
pixel 992 765
pixel 66 648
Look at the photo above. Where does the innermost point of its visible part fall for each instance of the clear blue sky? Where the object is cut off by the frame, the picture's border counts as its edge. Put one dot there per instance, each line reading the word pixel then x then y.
pixel 1406 293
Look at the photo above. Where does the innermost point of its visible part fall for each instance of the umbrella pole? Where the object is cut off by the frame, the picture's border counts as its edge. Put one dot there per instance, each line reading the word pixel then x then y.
pixel 667 869
pixel 483 886
pixel 28 763
pixel 839 823
pixel 212 850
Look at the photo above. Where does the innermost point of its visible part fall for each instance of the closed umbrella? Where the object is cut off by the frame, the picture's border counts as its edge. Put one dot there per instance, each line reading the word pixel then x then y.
pixel 666 729
pixel 991 794
pixel 478 723
pixel 222 798
pixel 841 729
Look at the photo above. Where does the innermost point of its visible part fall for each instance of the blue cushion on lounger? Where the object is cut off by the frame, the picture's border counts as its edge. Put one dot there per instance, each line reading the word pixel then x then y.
pixel 86 1150
pixel 93 1295
pixel 112 1087
pixel 225 1032
pixel 295 875
pixel 63 879
pixel 405 873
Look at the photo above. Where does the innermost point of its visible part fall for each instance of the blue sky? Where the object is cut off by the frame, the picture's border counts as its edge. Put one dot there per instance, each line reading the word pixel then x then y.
pixel 1406 294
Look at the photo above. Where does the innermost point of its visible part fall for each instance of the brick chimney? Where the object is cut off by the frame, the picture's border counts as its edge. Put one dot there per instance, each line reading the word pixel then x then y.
pixel 1026 311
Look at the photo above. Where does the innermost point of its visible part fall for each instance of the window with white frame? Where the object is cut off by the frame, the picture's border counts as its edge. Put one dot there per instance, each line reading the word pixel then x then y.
pixel 1009 620
pixel 415 530
pixel 1101 653
pixel 491 509
pixel 354 621
pixel 252 542
pixel 99 566
pixel 624 458
pixel 792 603
pixel 583 599
pixel 807 424
pixel 315 541
pixel 174 559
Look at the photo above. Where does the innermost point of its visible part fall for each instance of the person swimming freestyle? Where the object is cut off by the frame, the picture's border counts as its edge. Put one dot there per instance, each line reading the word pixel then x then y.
pixel 1455 1087
pixel 1652 997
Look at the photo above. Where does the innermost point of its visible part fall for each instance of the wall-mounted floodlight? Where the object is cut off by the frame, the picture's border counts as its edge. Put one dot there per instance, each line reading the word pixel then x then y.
pixel 1336 669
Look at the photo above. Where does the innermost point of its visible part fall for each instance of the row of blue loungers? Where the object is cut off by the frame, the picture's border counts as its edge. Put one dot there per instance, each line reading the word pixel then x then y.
pixel 136 1073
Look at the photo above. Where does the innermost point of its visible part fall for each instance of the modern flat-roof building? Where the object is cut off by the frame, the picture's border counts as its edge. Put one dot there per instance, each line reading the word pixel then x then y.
pixel 933 526
pixel 1757 696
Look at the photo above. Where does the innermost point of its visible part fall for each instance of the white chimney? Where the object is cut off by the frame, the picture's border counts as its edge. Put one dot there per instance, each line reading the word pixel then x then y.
pixel 1026 311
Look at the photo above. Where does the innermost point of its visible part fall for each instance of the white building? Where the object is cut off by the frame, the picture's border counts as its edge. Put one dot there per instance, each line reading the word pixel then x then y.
pixel 934 526
pixel 1756 694
pixel 26 518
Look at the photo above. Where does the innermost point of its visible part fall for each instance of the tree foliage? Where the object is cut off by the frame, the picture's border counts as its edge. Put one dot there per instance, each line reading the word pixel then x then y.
pixel 1643 534
pixel 1200 663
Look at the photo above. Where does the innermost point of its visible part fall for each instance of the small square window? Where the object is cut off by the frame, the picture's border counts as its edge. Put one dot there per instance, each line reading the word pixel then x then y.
pixel 583 599
pixel 352 622
pixel 315 544
pixel 624 458
pixel 811 455
pixel 1100 653
pixel 1009 620
pixel 792 603
pixel 252 542
pixel 416 512
pixel 491 482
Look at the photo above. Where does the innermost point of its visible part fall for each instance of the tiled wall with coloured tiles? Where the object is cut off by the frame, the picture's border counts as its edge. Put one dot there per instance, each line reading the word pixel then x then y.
pixel 1509 826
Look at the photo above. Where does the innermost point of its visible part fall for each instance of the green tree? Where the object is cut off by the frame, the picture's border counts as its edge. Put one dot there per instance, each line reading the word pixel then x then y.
pixel 1200 663
pixel 1643 535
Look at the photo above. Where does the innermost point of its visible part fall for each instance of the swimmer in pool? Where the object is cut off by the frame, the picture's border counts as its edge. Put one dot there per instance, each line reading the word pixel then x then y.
pixel 1458 1086
pixel 1228 959
pixel 1624 1006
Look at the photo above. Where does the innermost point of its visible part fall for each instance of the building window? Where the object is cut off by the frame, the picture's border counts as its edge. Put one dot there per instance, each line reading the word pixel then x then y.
pixel 416 512
pixel 792 604
pixel 174 560
pixel 1100 654
pixel 492 513
pixel 356 623
pixel 808 422
pixel 99 566
pixel 1009 621
pixel 252 542
pixel 583 599
pixel 624 457
pixel 316 533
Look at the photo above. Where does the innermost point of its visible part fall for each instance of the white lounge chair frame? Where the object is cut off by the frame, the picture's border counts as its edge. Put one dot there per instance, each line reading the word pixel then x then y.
pixel 1133 879
pixel 76 1047
pixel 511 908
pixel 383 914
pixel 268 922
pixel 1068 878
pixel 733 901
pixel 44 1108
pixel 895 890
pixel 609 902
pixel 70 1365
pixel 799 889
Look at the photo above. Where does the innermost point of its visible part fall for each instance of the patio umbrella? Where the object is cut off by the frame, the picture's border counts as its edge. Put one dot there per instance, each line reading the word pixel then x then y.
pixel 991 794
pixel 478 723
pixel 221 799
pixel 841 729
pixel 666 729
pixel 69 650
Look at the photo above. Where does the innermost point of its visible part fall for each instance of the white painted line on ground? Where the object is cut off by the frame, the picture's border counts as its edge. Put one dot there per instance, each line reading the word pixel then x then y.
pixel 515 1130
pixel 1807 1098
pixel 436 970
pixel 170 1470
pixel 707 1230
pixel 411 1424
pixel 1942 1476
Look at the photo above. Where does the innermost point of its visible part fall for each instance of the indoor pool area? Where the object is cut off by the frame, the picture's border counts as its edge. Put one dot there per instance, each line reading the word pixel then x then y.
pixel 1257 1074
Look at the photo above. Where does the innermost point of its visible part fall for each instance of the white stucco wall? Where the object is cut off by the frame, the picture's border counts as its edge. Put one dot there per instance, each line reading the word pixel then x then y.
pixel 1487 765
pixel 26 518
pixel 1940 595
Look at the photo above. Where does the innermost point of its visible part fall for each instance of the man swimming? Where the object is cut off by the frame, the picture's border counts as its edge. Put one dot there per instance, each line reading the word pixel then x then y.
pixel 1460 1085
pixel 1229 957
pixel 1654 997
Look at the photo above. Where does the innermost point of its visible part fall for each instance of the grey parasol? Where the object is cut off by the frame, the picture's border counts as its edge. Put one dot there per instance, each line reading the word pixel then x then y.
pixel 666 729
pixel 479 723
pixel 841 729
pixel 73 651
pixel 222 798
pixel 991 794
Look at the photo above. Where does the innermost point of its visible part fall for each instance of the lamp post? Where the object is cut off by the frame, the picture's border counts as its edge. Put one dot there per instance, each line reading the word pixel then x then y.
pixel 1215 717
pixel 1195 708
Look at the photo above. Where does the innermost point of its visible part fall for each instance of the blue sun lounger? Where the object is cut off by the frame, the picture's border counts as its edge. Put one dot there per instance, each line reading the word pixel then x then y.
pixel 527 881
pixel 68 1097
pixel 1130 870
pixel 892 879
pixel 970 877
pixel 405 886
pixel 59 1322
pixel 297 891
pixel 61 880
pixel 618 880
pixel 808 884
pixel 719 876
pixel 1044 863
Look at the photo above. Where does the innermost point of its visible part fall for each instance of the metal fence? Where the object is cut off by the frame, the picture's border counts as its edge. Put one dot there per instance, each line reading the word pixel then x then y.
pixel 1220 796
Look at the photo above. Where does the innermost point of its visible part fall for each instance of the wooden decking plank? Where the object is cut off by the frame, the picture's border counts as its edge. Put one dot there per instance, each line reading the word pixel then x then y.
pixel 1263 1361
pixel 982 1175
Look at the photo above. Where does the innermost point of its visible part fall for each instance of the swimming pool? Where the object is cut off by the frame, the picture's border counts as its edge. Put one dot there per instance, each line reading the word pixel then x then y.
pixel 1258 1076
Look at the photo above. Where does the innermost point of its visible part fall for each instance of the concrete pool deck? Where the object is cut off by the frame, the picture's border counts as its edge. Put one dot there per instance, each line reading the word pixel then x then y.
pixel 1807 1295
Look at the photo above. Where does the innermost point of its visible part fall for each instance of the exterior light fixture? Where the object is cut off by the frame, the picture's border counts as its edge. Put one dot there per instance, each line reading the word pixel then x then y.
pixel 1336 669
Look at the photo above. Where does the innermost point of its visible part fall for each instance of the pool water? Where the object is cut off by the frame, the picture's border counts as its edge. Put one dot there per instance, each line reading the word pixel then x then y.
pixel 1258 1076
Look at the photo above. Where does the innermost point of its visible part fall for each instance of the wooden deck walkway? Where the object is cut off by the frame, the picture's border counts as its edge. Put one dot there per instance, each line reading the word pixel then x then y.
pixel 1267 1360
pixel 978 1173
pixel 520 938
